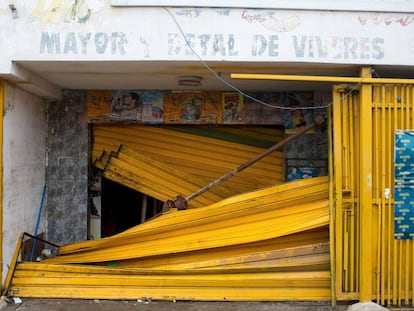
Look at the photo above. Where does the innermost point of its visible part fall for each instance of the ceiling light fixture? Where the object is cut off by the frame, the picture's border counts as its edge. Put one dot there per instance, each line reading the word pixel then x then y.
pixel 189 81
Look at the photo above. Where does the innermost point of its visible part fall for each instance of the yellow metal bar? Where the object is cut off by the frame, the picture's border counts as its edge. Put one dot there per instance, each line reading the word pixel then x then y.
pixel 382 163
pixel 390 91
pixel 1 176
pixel 366 78
pixel 351 176
pixel 9 277
pixel 398 101
pixel 410 248
pixel 346 143
pixel 366 190
pixel 332 212
pixel 351 146
pixel 337 168
pixel 385 100
pixel 377 184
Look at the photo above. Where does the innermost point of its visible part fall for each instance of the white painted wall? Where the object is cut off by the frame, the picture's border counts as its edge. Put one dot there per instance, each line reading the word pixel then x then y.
pixel 94 30
pixel 24 136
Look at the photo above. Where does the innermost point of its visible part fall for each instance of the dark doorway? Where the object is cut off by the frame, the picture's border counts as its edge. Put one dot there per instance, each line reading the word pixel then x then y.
pixel 123 208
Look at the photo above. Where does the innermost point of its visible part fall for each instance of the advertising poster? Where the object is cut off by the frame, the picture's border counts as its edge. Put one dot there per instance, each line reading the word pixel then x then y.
pixel 172 102
pixel 212 111
pixel 294 119
pixel 153 107
pixel 99 106
pixel 126 106
pixel 192 107
pixel 294 173
pixel 404 185
pixel 233 108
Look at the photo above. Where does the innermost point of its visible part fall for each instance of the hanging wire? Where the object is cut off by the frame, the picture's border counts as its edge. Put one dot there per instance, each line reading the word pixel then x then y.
pixel 350 90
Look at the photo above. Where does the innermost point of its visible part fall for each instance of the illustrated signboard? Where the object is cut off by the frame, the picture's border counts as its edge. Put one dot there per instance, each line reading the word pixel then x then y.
pixel 99 106
pixel 404 185
pixel 182 107
pixel 233 108
pixel 105 106
pixel 192 107
pixel 126 105
pixel 199 107
pixel 212 111
pixel 153 107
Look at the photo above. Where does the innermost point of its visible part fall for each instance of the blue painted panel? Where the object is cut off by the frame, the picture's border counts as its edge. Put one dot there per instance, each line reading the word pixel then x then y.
pixel 404 185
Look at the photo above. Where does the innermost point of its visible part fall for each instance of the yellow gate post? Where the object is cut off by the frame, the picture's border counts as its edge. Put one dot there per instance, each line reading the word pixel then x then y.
pixel 1 175
pixel 365 243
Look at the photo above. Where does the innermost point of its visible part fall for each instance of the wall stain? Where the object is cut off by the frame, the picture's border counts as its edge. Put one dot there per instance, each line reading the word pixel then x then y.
pixel 273 21
pixel 55 11
pixel 386 19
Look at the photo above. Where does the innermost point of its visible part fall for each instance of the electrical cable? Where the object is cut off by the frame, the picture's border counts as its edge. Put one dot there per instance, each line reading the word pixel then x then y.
pixel 203 62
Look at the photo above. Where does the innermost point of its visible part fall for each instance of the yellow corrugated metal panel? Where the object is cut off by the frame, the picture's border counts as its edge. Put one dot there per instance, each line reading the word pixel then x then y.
pixel 269 244
pixel 138 278
pixel 287 246
pixel 68 281
pixel 203 157
pixel 157 179
pixel 295 206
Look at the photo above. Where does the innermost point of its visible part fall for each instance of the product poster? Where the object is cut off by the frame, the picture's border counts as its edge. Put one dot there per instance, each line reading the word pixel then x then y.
pixel 233 108
pixel 182 107
pixel 404 185
pixel 126 106
pixel 171 108
pixel 99 106
pixel 212 111
pixel 153 107
pixel 294 173
pixel 191 107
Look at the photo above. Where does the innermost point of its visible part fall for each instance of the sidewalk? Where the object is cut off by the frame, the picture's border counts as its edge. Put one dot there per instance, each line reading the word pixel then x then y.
pixel 106 305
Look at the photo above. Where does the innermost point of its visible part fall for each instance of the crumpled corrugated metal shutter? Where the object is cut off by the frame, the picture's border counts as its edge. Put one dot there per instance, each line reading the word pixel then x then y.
pixel 269 244
pixel 203 158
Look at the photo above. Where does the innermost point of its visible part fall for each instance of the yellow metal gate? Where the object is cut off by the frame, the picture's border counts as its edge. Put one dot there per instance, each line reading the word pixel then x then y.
pixel 369 263
pixel 1 173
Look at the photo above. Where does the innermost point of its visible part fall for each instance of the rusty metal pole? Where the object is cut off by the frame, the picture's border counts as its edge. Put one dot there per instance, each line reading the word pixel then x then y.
pixel 181 202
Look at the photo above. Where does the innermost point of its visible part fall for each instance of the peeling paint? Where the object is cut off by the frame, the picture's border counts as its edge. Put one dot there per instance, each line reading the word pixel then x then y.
pixel 386 19
pixel 55 11
pixel 272 20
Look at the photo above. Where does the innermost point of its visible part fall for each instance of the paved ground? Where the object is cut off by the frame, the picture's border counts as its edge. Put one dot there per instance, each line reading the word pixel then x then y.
pixel 110 305
pixel 104 305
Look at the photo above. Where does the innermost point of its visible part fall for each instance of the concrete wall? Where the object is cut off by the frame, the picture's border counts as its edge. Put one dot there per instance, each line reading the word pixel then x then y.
pixel 67 168
pixel 24 136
